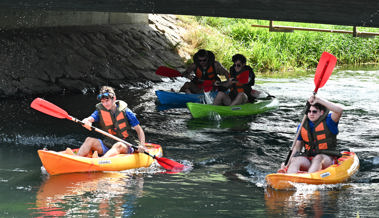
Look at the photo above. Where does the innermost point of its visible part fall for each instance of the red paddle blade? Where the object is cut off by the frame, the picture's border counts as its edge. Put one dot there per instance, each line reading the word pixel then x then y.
pixel 166 71
pixel 49 108
pixel 324 69
pixel 243 78
pixel 207 85
pixel 170 164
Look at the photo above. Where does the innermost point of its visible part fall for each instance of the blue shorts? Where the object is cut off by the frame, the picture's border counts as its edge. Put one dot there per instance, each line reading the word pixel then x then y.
pixel 105 148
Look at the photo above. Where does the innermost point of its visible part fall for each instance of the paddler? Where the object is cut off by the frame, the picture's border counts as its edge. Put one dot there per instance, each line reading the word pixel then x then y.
pixel 316 146
pixel 114 117
pixel 240 92
pixel 205 67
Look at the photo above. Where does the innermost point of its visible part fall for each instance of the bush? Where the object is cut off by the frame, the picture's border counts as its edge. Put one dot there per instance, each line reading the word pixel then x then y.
pixel 269 52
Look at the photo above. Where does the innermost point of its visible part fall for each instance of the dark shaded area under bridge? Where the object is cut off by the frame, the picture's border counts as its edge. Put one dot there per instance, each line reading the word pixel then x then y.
pixel 363 13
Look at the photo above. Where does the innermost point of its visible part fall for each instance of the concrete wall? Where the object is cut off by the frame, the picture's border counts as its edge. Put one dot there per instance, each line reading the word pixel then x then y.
pixel 11 19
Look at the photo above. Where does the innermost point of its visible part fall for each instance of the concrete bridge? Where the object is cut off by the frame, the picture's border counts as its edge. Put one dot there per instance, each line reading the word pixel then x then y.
pixel 363 13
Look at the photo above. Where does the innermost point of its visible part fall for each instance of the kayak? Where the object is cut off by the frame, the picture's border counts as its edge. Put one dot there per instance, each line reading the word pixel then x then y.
pixel 61 162
pixel 207 110
pixel 346 166
pixel 180 98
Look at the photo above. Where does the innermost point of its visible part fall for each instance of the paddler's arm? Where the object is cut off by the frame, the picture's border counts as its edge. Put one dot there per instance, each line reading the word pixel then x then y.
pixel 188 71
pixel 141 138
pixel 221 70
pixel 334 108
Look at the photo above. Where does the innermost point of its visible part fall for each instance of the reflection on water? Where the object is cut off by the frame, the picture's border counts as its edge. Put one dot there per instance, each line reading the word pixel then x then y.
pixel 233 124
pixel 106 194
pixel 307 202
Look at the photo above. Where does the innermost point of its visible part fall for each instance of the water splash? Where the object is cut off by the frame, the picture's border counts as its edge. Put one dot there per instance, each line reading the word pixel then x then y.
pixel 38 141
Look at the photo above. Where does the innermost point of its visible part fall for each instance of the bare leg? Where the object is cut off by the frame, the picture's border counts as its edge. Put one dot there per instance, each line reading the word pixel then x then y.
pixel 117 148
pixel 185 87
pixel 193 88
pixel 298 163
pixel 218 99
pixel 240 99
pixel 222 99
pixel 69 151
pixel 90 144
pixel 190 87
pixel 319 162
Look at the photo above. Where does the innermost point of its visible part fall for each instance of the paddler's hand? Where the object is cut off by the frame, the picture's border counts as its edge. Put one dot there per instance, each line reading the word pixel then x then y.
pixel 87 123
pixel 228 83
pixel 313 100
pixel 187 75
pixel 141 148
pixel 283 169
pixel 233 81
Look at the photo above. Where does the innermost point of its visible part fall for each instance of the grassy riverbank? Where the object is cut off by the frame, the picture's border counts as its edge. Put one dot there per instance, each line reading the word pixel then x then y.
pixel 277 53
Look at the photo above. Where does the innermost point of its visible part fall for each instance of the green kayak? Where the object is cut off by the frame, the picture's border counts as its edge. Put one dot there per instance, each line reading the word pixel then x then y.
pixel 208 110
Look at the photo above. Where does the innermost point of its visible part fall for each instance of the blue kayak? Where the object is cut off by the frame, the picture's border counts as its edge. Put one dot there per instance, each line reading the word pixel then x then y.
pixel 180 98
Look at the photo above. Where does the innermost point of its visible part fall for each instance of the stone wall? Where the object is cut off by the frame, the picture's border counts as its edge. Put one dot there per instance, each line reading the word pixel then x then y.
pixel 71 59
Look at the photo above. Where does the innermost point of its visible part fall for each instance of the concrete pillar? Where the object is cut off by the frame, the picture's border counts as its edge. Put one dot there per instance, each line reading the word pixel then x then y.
pixel 11 19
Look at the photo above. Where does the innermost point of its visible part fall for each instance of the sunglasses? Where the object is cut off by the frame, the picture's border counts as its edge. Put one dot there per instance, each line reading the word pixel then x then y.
pixel 238 65
pixel 312 111
pixel 203 60
pixel 105 95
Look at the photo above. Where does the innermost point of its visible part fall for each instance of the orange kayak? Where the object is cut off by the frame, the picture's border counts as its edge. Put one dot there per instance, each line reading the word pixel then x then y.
pixel 61 162
pixel 345 167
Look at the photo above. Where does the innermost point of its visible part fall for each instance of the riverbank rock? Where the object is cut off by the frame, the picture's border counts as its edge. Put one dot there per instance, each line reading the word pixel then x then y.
pixel 73 59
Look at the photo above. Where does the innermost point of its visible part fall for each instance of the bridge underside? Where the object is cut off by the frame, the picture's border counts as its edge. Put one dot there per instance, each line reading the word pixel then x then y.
pixel 363 13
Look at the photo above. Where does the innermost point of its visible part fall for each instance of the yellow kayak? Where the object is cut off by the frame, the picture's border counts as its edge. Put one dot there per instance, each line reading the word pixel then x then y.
pixel 345 167
pixel 61 162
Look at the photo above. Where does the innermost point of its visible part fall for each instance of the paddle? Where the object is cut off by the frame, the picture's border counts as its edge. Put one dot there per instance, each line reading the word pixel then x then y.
pixel 324 70
pixel 244 77
pixel 55 111
pixel 168 72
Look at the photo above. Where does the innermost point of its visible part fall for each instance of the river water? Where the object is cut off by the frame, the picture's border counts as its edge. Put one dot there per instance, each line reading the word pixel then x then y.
pixel 229 158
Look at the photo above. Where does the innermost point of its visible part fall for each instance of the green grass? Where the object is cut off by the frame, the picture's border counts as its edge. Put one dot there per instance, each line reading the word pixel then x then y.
pixel 277 53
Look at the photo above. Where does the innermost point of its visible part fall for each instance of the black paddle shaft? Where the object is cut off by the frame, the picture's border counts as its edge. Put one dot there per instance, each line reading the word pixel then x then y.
pixel 110 135
pixel 305 111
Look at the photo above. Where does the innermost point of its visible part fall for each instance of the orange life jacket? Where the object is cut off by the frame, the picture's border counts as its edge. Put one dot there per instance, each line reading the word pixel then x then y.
pixel 114 123
pixel 208 74
pixel 321 140
pixel 240 87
